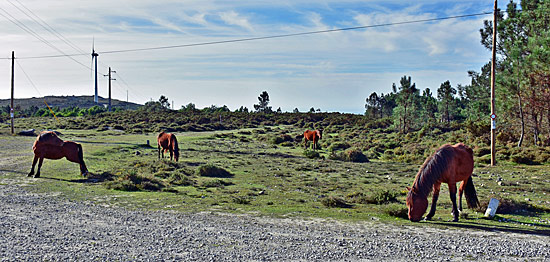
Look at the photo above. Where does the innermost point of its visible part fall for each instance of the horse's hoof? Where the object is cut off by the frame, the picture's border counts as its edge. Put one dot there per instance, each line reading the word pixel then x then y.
pixel 85 174
pixel 30 175
pixel 37 176
pixel 427 219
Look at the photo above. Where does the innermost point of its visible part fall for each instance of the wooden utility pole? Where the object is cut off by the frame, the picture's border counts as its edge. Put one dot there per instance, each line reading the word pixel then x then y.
pixel 12 112
pixel 109 108
pixel 493 68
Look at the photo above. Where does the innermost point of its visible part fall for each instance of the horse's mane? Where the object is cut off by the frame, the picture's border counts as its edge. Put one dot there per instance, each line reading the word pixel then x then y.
pixel 432 169
pixel 176 148
pixel 49 137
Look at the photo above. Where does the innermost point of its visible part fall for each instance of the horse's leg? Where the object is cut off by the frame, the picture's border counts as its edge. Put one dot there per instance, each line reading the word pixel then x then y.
pixel 452 192
pixel 435 196
pixel 158 145
pixel 37 175
pixel 460 191
pixel 33 164
pixel 171 153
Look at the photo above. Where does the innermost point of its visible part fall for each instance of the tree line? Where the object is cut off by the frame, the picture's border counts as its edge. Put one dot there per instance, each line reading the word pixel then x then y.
pixel 522 87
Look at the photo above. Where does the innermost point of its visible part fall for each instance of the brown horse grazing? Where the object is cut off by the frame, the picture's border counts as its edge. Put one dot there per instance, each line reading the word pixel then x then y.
pixel 449 164
pixel 168 142
pixel 314 136
pixel 48 145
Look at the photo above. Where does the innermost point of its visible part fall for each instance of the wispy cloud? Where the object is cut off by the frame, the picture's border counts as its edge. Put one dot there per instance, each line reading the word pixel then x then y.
pixel 233 18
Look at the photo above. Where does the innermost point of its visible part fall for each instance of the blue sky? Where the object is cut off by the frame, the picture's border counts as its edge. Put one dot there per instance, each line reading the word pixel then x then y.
pixel 332 71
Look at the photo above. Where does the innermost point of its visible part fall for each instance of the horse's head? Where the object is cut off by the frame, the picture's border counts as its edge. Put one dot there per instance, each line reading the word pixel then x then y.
pixel 176 154
pixel 319 133
pixel 417 205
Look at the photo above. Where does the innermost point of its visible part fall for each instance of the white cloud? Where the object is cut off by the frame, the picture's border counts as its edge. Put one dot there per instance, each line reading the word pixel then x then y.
pixel 197 19
pixel 233 18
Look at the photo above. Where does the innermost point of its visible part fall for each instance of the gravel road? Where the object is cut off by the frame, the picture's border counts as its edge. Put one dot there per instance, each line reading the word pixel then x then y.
pixel 40 227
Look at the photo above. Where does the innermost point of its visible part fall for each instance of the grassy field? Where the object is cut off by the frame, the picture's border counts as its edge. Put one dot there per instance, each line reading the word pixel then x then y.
pixel 247 171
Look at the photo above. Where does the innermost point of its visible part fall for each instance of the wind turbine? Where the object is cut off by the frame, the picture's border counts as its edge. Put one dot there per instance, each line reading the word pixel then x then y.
pixel 94 56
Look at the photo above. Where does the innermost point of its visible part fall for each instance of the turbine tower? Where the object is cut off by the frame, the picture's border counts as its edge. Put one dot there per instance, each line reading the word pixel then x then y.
pixel 94 56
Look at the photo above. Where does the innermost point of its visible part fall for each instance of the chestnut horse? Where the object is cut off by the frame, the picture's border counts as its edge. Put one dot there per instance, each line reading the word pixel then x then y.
pixel 48 145
pixel 314 136
pixel 168 142
pixel 449 164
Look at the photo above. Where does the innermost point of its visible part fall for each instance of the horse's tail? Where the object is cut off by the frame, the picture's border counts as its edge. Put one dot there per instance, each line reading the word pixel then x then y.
pixel 83 168
pixel 175 147
pixel 471 195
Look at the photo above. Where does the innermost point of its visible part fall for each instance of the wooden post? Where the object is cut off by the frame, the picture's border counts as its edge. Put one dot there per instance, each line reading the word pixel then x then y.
pixel 109 108
pixel 493 68
pixel 12 112
pixel 110 78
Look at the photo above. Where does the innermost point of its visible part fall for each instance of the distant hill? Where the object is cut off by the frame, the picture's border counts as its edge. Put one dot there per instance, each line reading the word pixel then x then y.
pixel 67 101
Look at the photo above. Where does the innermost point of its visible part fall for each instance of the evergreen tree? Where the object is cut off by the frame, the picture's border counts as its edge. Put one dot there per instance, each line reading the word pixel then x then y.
pixel 164 102
pixel 407 100
pixel 263 102
pixel 445 95
pixel 373 106
pixel 429 106
pixel 477 95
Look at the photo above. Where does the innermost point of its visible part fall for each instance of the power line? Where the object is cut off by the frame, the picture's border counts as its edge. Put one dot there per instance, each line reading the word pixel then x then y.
pixel 294 34
pixel 28 78
pixel 128 86
pixel 34 34
pixel 44 98
pixel 269 37
pixel 45 25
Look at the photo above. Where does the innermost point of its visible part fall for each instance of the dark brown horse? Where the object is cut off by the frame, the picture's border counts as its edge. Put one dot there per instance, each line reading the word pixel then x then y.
pixel 314 136
pixel 168 142
pixel 48 145
pixel 449 164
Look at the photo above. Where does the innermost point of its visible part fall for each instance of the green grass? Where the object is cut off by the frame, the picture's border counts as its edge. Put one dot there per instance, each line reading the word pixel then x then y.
pixel 268 179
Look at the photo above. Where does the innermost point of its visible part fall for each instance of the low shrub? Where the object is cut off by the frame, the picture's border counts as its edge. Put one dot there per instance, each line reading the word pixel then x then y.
pixel 396 210
pixel 210 170
pixel 180 179
pixel 481 151
pixel 333 201
pixel 382 197
pixel 241 200
pixel 122 185
pixel 216 183
pixel 350 155
pixel 311 154
pixel 338 146
pixel 522 157
pixel 486 159
pixel 355 155
pixel 132 181
pixel 287 144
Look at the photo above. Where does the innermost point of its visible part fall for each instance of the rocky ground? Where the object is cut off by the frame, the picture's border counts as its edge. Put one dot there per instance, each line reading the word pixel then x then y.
pixel 41 227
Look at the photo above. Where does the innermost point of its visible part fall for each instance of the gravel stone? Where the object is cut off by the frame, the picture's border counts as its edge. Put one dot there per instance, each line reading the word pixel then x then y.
pixel 46 227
